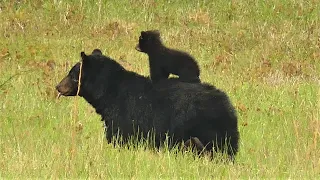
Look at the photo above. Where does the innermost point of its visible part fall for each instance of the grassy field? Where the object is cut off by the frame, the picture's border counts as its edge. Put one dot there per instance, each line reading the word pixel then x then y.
pixel 263 54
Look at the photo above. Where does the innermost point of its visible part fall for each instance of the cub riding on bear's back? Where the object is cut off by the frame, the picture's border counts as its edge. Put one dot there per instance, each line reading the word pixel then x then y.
pixel 164 61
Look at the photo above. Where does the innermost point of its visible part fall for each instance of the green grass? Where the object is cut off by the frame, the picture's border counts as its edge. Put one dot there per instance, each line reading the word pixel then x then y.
pixel 264 54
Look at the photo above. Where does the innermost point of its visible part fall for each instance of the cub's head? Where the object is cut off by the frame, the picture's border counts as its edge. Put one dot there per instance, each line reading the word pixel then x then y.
pixel 148 41
pixel 96 71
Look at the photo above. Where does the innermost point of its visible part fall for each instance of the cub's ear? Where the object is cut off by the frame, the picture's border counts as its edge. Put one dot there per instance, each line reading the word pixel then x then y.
pixel 143 33
pixel 157 32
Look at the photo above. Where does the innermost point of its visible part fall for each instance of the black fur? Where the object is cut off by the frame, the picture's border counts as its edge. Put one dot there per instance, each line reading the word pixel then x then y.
pixel 97 52
pixel 163 60
pixel 128 101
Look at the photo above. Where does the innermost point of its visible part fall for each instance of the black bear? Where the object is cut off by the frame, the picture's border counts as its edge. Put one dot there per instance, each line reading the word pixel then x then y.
pixel 163 60
pixel 185 112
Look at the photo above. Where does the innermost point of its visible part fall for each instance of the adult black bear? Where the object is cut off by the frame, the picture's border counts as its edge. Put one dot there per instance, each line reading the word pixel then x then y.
pixel 128 101
pixel 163 60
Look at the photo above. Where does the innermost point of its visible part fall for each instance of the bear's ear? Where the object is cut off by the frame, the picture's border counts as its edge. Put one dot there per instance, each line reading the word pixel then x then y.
pixel 96 52
pixel 143 33
pixel 157 32
pixel 83 56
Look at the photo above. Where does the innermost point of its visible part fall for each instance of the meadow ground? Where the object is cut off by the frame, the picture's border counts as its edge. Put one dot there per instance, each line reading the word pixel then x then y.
pixel 263 54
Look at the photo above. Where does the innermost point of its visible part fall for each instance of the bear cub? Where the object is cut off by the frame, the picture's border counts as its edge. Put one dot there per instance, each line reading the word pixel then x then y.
pixel 163 60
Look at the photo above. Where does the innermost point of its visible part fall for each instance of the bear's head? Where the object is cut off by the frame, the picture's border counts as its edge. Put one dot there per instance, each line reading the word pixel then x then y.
pixel 69 84
pixel 148 41
pixel 95 68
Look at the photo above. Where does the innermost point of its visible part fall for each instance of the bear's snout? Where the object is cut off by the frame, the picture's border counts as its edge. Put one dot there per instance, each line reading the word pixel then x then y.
pixel 66 87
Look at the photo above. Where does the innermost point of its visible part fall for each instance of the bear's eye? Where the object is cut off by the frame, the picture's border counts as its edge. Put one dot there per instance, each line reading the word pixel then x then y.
pixel 75 80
